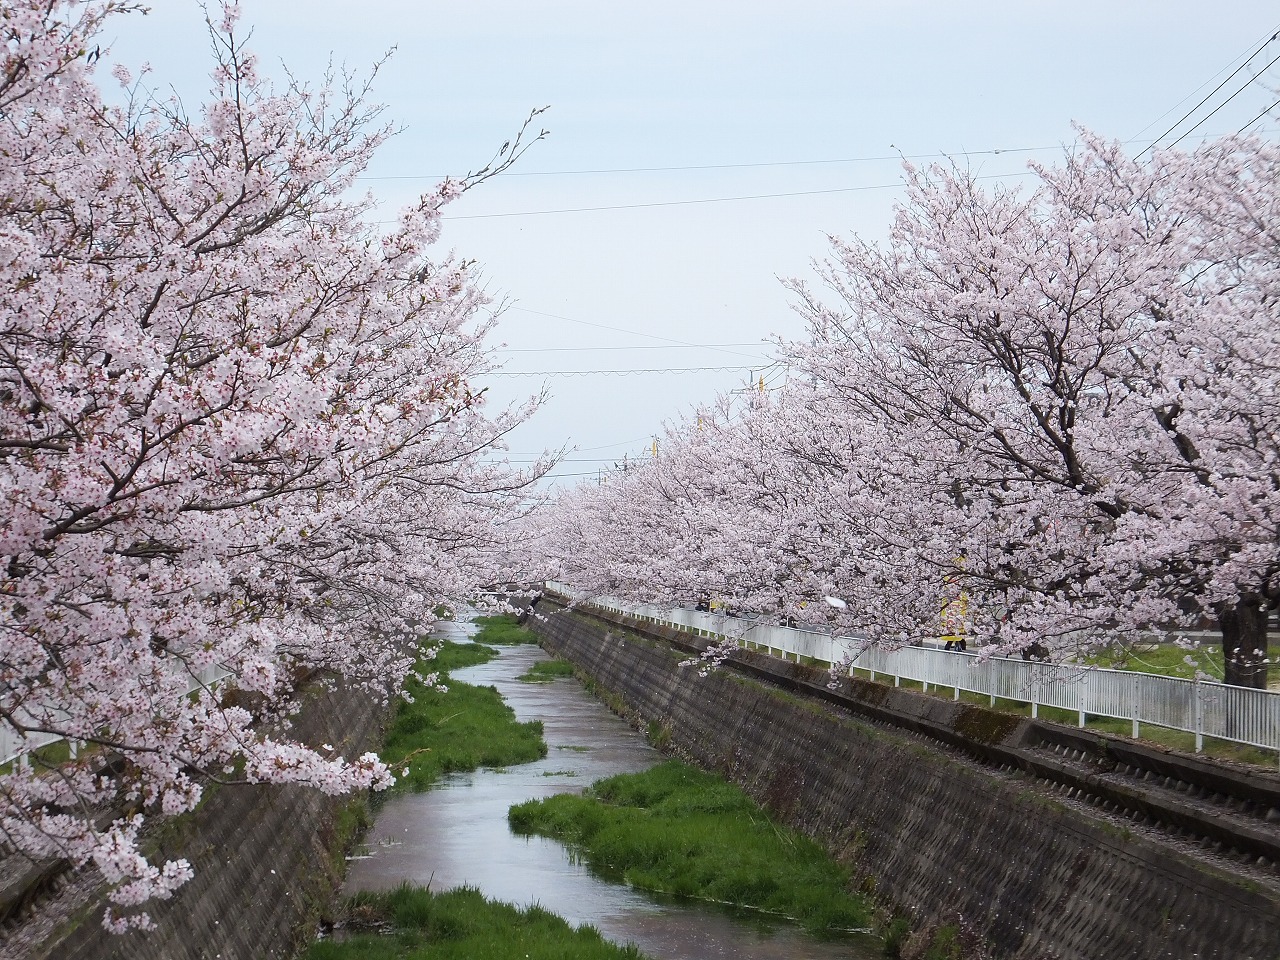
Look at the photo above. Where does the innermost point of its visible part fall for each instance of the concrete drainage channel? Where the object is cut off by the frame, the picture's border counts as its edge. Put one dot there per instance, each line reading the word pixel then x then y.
pixel 259 853
pixel 1235 812
pixel 1146 845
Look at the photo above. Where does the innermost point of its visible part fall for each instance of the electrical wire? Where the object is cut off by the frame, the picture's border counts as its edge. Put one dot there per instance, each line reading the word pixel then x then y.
pixel 610 446
pixel 1258 117
pixel 618 373
pixel 637 346
pixel 634 333
pixel 705 200
pixel 1267 42
pixel 996 151
pixel 942 154
pixel 606 446
pixel 1246 86
pixel 563 460
pixel 709 200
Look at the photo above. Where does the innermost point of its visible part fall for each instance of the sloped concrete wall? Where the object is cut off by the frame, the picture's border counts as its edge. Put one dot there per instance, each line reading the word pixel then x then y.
pixel 931 835
pixel 261 860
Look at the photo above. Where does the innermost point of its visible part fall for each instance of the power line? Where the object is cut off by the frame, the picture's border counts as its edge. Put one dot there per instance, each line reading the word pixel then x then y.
pixel 704 200
pixel 1225 81
pixel 772 378
pixel 1251 80
pixel 604 460
pixel 634 333
pixel 1264 112
pixel 609 446
pixel 606 446
pixel 996 151
pixel 620 373
pixel 941 154
pixel 564 460
pixel 736 199
pixel 636 346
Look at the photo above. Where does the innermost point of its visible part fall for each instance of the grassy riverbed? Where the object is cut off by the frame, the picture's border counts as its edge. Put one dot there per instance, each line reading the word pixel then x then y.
pixel 503 630
pixel 462 729
pixel 415 924
pixel 439 732
pixel 677 830
pixel 674 829
pixel 544 671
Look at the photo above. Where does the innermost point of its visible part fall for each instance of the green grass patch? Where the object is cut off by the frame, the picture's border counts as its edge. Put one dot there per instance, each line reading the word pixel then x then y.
pixel 502 630
pixel 1167 660
pixel 1170 660
pixel 675 829
pixel 414 924
pixel 465 728
pixel 45 758
pixel 544 671
pixel 454 656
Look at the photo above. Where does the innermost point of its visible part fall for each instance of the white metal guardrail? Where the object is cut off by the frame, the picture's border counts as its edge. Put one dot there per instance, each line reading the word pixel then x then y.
pixel 14 747
pixel 1203 708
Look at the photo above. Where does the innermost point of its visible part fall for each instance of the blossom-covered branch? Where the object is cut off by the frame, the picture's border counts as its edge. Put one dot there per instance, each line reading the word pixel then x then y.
pixel 240 428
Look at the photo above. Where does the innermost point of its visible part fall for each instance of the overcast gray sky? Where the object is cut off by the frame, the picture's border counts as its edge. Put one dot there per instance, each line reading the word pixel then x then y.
pixel 669 113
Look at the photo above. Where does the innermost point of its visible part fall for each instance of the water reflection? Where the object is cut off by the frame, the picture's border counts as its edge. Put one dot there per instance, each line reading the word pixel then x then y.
pixel 457 833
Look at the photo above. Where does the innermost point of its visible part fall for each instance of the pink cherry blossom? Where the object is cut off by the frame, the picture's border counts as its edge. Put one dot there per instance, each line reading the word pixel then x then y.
pixel 1048 417
pixel 243 436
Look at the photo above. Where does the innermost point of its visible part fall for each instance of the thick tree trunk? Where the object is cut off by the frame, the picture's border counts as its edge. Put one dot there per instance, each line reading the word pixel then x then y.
pixel 1244 641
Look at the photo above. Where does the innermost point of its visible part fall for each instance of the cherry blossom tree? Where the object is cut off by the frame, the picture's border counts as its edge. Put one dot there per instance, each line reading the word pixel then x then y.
pixel 1057 403
pixel 241 435
pixel 726 512
pixel 1085 371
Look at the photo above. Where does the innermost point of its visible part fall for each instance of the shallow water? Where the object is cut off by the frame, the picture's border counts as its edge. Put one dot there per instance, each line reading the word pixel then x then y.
pixel 457 833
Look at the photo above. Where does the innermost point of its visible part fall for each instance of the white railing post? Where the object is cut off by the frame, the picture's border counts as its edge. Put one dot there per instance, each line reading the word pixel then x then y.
pixel 1199 691
pixel 1084 695
pixel 1135 705
pixel 1036 680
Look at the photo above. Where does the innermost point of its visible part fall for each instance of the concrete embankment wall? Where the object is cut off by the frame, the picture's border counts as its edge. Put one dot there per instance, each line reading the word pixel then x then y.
pixel 261 859
pixel 930 834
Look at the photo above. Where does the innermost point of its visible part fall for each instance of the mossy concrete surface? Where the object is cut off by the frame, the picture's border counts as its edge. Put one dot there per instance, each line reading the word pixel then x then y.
pixel 264 867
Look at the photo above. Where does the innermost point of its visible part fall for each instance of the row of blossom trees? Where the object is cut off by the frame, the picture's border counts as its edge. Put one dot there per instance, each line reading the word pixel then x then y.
pixel 239 429
pixel 1060 403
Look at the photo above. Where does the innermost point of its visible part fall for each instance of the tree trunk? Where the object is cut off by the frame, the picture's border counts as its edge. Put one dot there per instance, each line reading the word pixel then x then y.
pixel 1244 641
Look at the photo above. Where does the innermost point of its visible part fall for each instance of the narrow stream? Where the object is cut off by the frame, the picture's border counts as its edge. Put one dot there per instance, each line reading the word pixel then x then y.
pixel 457 833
